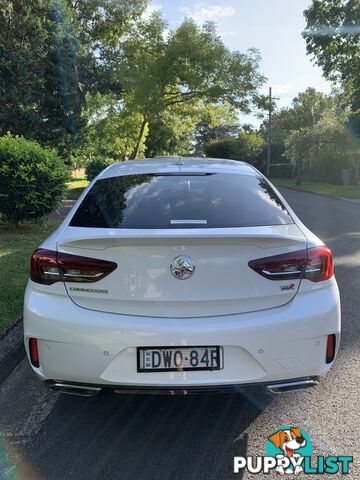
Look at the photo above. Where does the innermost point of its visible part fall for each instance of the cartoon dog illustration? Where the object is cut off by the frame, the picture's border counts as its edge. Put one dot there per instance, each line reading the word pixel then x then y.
pixel 288 441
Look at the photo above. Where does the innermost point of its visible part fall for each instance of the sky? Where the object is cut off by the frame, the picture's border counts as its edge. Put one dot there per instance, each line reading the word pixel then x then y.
pixel 272 26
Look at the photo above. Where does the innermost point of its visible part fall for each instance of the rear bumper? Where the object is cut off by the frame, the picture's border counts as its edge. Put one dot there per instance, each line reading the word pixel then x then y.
pixel 83 346
pixel 88 390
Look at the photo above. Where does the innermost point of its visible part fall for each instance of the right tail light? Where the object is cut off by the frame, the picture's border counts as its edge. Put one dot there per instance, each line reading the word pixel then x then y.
pixel 315 264
pixel 319 264
pixel 330 348
pixel 34 353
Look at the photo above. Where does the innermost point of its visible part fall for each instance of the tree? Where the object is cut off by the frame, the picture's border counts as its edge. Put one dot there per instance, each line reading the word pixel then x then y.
pixel 185 128
pixel 94 77
pixel 188 65
pixel 325 149
pixel 218 122
pixel 305 111
pixel 171 132
pixel 111 129
pixel 29 88
pixel 333 39
pixel 53 53
pixel 298 149
pixel 247 147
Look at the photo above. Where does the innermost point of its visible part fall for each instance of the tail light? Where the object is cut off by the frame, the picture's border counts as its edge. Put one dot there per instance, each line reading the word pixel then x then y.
pixel 48 267
pixel 330 348
pixel 34 354
pixel 315 264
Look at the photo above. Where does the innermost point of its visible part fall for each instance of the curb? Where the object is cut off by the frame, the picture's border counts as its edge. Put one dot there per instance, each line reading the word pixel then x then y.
pixel 12 349
pixel 344 199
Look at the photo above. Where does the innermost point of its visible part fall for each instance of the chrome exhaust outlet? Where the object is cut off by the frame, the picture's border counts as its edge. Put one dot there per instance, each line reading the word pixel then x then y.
pixel 80 390
pixel 292 386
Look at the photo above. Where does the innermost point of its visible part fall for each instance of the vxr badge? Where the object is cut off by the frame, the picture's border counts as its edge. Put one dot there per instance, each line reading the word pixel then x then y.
pixel 290 286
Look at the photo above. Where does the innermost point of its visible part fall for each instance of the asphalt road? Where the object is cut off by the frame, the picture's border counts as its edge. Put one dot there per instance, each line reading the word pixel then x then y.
pixel 44 435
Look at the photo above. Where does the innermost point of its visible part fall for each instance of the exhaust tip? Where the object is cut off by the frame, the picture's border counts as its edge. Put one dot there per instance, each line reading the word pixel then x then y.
pixel 292 386
pixel 80 390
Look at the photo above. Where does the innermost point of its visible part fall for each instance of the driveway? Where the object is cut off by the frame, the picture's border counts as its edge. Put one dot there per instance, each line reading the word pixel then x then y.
pixel 47 436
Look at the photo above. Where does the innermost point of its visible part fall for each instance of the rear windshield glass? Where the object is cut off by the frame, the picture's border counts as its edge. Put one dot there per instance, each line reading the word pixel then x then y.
pixel 210 200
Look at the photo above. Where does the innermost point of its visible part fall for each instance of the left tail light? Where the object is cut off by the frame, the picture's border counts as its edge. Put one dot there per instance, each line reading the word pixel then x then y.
pixel 315 264
pixel 48 267
pixel 34 353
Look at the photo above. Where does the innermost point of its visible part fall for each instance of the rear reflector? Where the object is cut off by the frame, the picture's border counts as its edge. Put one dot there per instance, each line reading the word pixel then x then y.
pixel 48 267
pixel 315 264
pixel 330 348
pixel 34 354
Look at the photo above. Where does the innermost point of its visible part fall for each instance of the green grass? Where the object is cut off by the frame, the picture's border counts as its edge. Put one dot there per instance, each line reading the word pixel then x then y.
pixel 75 188
pixel 16 247
pixel 320 187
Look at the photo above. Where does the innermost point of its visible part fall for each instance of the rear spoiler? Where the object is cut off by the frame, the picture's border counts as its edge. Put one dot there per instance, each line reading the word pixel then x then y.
pixel 101 238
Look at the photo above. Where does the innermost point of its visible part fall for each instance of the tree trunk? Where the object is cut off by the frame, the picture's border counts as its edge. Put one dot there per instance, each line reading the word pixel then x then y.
pixel 299 171
pixel 139 140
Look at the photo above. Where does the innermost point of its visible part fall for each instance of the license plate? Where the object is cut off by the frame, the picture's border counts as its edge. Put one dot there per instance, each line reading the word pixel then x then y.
pixel 179 359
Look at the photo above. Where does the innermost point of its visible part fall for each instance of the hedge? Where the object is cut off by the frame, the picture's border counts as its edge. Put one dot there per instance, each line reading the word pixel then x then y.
pixel 32 180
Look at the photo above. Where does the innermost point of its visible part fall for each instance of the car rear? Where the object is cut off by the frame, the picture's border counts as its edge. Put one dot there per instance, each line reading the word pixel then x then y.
pixel 187 275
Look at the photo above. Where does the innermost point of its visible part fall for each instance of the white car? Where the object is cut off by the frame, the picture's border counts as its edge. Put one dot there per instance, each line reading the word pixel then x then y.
pixel 178 275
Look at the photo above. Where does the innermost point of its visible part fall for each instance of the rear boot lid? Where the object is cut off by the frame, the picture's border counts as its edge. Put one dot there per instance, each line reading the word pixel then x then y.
pixel 146 282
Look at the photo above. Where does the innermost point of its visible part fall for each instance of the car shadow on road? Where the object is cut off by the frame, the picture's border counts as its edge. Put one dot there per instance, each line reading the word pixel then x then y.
pixel 138 437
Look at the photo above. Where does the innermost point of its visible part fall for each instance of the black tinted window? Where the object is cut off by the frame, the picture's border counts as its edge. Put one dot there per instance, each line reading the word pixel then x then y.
pixel 181 201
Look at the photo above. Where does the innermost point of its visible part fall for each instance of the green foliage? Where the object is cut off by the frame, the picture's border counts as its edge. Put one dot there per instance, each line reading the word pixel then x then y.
pixel 185 127
pixel 170 134
pixel 105 22
pixel 323 150
pixel 32 180
pixel 298 149
pixel 173 131
pixel 328 165
pixel 221 149
pixel 352 124
pixel 186 66
pixel 282 170
pixel 53 53
pixel 96 166
pixel 247 148
pixel 112 129
pixel 332 38
pixel 197 59
pixel 306 110
pixel 93 78
pixel 38 81
pixel 217 122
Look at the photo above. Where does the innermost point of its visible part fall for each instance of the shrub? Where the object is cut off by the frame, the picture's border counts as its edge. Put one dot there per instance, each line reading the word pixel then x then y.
pixel 247 147
pixel 220 149
pixel 282 170
pixel 96 166
pixel 323 151
pixel 328 165
pixel 32 179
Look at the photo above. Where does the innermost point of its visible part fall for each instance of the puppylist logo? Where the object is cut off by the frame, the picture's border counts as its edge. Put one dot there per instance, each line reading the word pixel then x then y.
pixel 289 451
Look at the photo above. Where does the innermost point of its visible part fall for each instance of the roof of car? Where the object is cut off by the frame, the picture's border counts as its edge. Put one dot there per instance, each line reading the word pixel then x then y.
pixel 178 164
